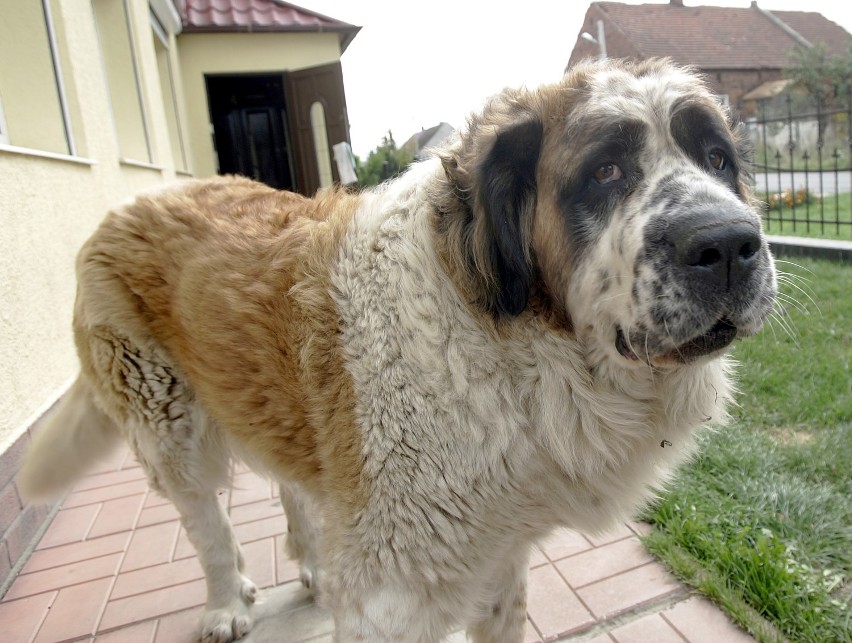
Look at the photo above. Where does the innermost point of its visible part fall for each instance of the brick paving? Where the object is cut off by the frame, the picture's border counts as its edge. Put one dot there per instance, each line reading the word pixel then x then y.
pixel 115 566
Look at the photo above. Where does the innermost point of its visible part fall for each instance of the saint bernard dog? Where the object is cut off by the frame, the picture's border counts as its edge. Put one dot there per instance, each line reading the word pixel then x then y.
pixel 522 333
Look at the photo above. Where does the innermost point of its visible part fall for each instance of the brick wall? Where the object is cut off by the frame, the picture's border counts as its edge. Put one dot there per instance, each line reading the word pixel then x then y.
pixel 19 523
pixel 737 82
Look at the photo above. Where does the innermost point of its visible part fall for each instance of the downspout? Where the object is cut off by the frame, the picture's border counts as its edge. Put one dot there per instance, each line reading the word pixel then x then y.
pixel 795 35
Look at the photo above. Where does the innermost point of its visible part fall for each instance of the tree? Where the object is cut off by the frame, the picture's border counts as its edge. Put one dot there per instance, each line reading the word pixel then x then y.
pixel 822 74
pixel 383 163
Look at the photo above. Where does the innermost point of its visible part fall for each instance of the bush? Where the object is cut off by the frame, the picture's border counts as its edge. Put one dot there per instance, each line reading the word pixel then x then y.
pixel 788 198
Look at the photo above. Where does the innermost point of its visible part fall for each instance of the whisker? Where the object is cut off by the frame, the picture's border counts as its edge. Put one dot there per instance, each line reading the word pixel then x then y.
pixel 785 326
pixel 791 277
pixel 789 299
pixel 798 265
pixel 771 327
pixel 611 297
pixel 648 355
pixel 805 293
pixel 772 322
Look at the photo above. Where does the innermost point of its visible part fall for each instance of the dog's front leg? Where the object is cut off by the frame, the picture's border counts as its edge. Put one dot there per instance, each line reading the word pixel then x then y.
pixel 388 614
pixel 505 618
pixel 303 531
pixel 227 615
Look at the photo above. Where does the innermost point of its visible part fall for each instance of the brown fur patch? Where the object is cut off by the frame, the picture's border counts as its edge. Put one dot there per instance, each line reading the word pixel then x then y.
pixel 231 279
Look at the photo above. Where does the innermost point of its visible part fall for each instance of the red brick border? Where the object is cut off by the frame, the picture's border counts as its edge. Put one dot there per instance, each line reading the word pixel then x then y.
pixel 20 523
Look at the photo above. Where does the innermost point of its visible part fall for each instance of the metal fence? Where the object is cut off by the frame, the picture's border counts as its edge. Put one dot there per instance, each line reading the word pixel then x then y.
pixel 803 164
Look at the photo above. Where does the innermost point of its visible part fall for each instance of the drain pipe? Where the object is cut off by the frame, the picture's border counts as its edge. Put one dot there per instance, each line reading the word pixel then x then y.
pixel 795 35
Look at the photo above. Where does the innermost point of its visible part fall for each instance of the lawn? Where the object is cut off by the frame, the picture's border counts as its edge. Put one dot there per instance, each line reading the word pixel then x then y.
pixel 761 521
pixel 810 210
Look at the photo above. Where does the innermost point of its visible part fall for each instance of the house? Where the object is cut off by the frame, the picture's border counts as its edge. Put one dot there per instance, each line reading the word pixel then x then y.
pixel 104 98
pixel 738 49
pixel 419 144
pixel 266 75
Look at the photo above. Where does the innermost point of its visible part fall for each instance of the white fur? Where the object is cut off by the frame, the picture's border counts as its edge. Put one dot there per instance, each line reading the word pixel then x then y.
pixel 477 447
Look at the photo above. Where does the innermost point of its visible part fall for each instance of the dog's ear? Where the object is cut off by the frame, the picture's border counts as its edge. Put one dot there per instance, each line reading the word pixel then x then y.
pixel 506 198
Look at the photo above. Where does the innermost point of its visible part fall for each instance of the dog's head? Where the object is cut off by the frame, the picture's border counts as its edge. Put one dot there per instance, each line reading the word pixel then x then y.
pixel 619 200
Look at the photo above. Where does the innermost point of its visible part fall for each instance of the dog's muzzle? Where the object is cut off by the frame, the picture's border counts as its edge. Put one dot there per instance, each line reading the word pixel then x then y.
pixel 713 252
pixel 709 264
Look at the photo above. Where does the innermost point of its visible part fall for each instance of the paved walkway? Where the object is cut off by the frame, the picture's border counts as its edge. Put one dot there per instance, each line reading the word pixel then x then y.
pixel 116 567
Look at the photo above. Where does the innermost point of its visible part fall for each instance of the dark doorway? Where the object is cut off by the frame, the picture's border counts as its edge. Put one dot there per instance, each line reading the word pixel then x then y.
pixel 250 127
pixel 265 126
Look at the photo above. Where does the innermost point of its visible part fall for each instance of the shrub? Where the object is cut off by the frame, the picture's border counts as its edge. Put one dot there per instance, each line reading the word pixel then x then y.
pixel 788 198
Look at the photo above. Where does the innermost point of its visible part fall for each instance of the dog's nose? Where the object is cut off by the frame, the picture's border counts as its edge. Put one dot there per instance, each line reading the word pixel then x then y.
pixel 718 253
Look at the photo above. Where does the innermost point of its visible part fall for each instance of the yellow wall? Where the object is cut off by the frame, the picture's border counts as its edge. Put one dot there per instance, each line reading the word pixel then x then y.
pixel 50 205
pixel 202 54
pixel 52 201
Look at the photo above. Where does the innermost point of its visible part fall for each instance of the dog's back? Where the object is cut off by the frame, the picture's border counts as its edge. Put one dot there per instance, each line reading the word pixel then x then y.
pixel 189 288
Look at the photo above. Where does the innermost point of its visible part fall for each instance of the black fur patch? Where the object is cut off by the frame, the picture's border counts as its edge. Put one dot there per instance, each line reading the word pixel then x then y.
pixel 587 204
pixel 699 132
pixel 507 194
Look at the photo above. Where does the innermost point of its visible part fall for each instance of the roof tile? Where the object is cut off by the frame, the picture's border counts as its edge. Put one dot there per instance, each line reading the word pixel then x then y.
pixel 717 37
pixel 258 15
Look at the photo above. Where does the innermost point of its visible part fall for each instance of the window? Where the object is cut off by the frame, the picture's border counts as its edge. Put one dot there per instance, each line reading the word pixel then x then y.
pixel 4 133
pixel 122 77
pixel 168 85
pixel 35 112
pixel 320 133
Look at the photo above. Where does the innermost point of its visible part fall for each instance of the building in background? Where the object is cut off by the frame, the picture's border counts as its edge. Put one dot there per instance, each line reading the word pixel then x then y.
pixel 738 49
pixel 419 145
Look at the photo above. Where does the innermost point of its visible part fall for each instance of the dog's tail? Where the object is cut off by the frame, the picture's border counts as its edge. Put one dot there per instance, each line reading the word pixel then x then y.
pixel 74 437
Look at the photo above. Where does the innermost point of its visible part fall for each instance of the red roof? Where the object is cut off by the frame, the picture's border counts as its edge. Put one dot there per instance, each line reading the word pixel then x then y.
pixel 816 28
pixel 259 15
pixel 713 37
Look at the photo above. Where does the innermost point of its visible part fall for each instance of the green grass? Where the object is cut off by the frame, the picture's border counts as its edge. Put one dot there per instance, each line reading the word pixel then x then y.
pixel 831 207
pixel 761 522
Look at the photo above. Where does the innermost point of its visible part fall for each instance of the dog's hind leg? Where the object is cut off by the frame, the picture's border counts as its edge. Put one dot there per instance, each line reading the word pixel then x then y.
pixel 189 475
pixel 189 471
pixel 186 459
pixel 303 529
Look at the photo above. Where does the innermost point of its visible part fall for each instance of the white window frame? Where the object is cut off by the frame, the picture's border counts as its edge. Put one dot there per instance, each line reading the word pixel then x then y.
pixel 139 96
pixel 4 132
pixel 57 74
pixel 134 60
pixel 161 32
pixel 166 15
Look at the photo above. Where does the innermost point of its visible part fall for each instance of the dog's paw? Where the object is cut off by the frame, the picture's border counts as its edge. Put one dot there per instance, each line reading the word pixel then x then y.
pixel 226 624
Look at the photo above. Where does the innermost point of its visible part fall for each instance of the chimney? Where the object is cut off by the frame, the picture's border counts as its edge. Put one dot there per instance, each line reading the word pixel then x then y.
pixel 676 3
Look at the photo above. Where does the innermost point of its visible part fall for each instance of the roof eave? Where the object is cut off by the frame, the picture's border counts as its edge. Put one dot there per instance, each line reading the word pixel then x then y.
pixel 345 33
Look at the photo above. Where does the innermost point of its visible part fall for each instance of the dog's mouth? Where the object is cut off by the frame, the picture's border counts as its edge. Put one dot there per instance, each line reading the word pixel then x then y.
pixel 717 337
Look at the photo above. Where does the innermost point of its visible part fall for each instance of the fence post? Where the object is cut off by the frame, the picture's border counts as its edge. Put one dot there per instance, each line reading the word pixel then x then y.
pixel 791 145
pixel 820 144
pixel 762 105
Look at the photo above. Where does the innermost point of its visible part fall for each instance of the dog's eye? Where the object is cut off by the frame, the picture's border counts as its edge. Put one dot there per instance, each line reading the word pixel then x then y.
pixel 607 173
pixel 717 160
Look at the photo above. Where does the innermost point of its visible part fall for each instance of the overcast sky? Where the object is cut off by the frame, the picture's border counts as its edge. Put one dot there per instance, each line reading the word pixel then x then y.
pixel 415 64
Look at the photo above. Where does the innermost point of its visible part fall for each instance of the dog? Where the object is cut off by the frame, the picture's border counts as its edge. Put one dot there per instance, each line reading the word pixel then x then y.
pixel 524 332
